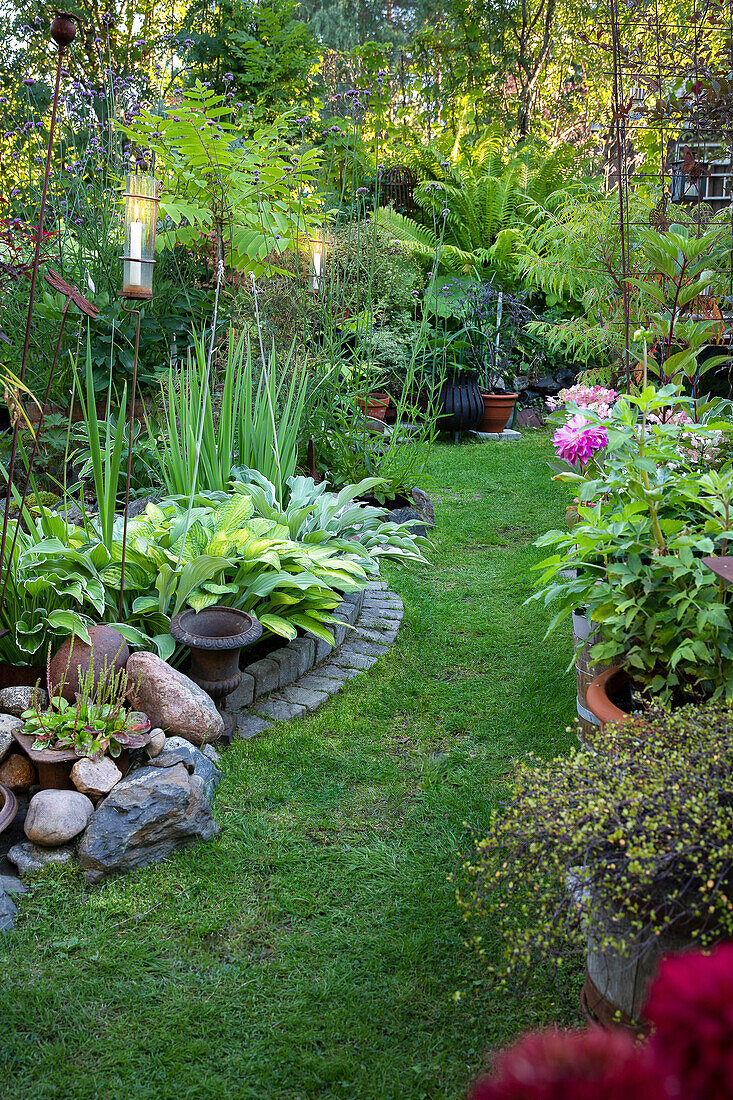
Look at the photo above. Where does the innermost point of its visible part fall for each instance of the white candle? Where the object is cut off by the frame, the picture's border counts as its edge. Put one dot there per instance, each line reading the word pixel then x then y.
pixel 136 251
pixel 317 265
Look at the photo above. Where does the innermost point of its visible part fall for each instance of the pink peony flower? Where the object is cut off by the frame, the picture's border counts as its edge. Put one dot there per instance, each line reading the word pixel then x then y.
pixel 691 1007
pixel 578 440
pixel 581 1065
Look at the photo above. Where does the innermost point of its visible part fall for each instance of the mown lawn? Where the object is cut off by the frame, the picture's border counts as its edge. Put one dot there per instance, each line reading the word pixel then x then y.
pixel 315 949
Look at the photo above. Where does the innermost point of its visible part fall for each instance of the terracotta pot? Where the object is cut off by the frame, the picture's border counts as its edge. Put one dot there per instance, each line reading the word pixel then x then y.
pixel 601 693
pixel 375 405
pixel 498 408
pixel 8 807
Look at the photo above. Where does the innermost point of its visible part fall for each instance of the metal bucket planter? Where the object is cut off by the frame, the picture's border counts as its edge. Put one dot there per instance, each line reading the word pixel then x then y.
pixel 460 402
pixel 585 636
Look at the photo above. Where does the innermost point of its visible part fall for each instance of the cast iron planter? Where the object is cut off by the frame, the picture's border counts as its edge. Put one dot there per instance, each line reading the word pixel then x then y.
pixel 215 637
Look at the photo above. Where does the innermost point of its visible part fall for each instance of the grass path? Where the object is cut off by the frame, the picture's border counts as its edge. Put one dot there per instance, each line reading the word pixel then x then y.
pixel 315 949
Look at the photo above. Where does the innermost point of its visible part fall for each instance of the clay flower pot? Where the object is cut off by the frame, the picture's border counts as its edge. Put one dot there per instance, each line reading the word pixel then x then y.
pixel 603 695
pixel 8 807
pixel 498 408
pixel 375 405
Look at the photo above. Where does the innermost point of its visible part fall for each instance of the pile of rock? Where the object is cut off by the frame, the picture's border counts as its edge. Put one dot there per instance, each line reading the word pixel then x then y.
pixel 118 824
pixel 533 391
pixel 110 822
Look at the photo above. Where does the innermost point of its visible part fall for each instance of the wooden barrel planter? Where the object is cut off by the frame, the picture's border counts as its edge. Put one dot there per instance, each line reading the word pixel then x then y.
pixel 616 986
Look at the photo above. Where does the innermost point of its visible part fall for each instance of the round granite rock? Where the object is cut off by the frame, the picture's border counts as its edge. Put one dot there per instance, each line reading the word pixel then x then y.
pixel 56 817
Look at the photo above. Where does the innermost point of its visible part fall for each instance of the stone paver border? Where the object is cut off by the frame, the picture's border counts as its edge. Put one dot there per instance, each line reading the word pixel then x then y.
pixel 306 672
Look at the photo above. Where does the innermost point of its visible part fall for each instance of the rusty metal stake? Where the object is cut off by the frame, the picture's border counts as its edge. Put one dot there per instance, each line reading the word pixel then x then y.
pixel 63 32
pixel 129 452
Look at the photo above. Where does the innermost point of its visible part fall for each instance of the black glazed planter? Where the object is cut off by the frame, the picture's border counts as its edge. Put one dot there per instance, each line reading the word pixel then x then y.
pixel 460 401
pixel 215 637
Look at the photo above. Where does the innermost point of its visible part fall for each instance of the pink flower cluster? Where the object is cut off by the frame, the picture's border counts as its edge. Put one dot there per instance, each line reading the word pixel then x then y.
pixel 688 1057
pixel 597 398
pixel 578 440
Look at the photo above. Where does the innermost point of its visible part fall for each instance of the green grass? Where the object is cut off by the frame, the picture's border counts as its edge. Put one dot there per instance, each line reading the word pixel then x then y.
pixel 315 949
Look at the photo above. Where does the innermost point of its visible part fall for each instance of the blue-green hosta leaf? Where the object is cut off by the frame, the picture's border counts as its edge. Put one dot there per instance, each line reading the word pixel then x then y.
pixel 133 634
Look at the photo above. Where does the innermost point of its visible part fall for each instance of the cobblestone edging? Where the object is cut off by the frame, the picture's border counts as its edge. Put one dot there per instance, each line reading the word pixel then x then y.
pixel 303 674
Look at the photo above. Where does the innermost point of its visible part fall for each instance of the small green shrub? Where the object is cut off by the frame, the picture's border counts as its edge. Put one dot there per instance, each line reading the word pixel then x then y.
pixel 620 842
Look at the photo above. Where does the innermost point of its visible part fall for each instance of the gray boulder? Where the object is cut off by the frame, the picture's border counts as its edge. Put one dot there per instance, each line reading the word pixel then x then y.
pixel 56 817
pixel 171 700
pixel 8 911
pixel 29 857
pixel 422 504
pixel 15 700
pixel 403 515
pixel 197 762
pixel 145 818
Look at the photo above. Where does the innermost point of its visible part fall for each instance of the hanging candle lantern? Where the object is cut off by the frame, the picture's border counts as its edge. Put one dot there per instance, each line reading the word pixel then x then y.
pixel 141 205
pixel 318 256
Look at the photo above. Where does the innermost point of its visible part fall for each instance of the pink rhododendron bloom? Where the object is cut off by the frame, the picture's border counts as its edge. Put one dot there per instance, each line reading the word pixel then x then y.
pixel 578 440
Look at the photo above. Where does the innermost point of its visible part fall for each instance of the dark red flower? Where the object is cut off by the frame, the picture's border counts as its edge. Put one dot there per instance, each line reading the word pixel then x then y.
pixel 691 1007
pixel 571 1065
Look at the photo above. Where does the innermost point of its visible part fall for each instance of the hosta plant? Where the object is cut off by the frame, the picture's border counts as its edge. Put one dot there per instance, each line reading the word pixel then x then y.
pixel 53 585
pixel 221 553
pixel 313 515
pixel 96 723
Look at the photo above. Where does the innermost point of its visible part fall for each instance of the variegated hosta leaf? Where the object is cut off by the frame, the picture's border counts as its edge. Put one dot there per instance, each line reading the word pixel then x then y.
pixel 155 514
pixel 222 544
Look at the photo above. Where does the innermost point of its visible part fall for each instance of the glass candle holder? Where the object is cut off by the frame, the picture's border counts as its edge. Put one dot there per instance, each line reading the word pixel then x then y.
pixel 141 206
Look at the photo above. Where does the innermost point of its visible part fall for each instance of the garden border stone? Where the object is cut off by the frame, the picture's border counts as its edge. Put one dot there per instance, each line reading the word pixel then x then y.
pixel 300 676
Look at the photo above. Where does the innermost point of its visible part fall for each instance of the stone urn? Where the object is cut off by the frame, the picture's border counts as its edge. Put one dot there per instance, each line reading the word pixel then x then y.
pixel 215 637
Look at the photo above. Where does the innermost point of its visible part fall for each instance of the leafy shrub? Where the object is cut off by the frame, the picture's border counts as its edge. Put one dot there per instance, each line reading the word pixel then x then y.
pixel 649 513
